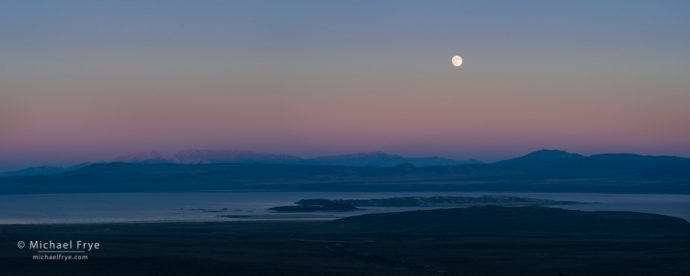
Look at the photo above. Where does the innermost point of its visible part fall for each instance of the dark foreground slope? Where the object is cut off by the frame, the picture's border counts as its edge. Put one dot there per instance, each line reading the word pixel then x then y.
pixel 526 221
pixel 472 241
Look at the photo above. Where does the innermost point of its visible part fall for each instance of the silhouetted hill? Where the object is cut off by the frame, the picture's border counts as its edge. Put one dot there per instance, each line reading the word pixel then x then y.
pixel 545 157
pixel 35 171
pixel 495 220
pixel 563 162
pixel 641 162
pixel 43 170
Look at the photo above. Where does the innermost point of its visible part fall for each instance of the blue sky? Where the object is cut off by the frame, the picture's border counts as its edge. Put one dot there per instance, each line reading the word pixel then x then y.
pixel 89 80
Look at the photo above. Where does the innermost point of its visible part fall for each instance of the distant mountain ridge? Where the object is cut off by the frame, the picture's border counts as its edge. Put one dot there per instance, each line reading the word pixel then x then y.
pixel 545 155
pixel 197 156
pixel 558 160
pixel 540 171
pixel 205 156
pixel 382 159
pixel 43 170
pixel 365 159
pixel 541 164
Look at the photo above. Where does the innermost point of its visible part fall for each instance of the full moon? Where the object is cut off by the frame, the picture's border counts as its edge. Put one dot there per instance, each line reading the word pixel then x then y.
pixel 456 61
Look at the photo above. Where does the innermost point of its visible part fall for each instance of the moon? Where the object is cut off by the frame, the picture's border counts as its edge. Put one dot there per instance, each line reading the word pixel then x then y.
pixel 456 61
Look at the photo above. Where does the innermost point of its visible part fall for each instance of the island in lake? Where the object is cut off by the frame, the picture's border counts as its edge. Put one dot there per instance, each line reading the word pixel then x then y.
pixel 339 205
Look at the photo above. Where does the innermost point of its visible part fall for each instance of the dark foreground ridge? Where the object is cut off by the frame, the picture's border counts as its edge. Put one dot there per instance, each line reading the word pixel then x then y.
pixel 486 240
pixel 538 221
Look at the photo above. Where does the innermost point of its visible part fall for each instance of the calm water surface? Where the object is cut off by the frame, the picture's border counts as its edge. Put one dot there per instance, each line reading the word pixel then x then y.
pixel 210 206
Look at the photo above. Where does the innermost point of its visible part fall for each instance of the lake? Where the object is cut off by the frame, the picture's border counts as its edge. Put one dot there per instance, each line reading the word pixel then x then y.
pixel 209 206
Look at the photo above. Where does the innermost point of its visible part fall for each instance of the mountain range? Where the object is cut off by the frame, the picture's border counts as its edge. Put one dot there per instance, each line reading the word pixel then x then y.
pixel 558 160
pixel 539 171
pixel 196 156
pixel 200 156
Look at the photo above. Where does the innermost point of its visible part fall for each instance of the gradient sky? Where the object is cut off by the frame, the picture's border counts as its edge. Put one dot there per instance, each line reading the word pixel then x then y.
pixel 91 80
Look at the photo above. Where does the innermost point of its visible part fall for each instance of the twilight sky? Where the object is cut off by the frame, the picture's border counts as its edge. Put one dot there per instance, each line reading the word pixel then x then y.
pixel 91 80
